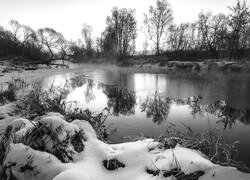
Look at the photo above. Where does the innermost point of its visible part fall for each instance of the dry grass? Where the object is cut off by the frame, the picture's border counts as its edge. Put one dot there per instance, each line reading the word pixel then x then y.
pixel 211 143
pixel 8 91
pixel 39 102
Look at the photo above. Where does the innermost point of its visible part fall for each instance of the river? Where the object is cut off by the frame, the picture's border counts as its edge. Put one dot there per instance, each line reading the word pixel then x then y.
pixel 148 104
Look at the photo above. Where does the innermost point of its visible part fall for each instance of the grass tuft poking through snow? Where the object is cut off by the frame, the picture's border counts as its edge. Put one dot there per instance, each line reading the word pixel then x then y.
pixel 8 91
pixel 113 164
pixel 210 143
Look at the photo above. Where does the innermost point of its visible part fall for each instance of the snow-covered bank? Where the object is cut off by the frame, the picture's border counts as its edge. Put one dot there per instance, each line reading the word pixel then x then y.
pixel 44 72
pixel 83 156
pixel 188 66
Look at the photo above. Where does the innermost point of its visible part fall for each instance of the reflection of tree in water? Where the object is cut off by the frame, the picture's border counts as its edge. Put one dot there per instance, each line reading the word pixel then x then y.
pixel 89 93
pixel 120 100
pixel 220 109
pixel 228 115
pixel 80 81
pixel 156 107
pixel 194 103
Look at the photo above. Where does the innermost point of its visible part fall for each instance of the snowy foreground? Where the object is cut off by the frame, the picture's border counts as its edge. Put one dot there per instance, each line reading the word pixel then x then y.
pixel 92 159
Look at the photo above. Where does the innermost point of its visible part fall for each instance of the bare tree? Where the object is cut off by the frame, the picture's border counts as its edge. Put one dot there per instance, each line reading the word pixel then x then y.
pixel 145 46
pixel 16 28
pixel 99 45
pixel 220 32
pixel 28 34
pixel 182 37
pixel 109 42
pixel 192 36
pixel 177 39
pixel 87 36
pixel 239 23
pixel 51 40
pixel 246 38
pixel 157 22
pixel 76 49
pixel 204 27
pixel 212 31
pixel 6 38
pixel 173 37
pixel 121 31
pixel 29 37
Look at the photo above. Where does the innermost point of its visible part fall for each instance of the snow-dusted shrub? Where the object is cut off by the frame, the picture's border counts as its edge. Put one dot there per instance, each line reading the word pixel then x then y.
pixel 51 133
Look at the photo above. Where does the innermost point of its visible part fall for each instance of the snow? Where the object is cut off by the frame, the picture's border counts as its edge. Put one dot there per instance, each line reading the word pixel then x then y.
pixel 6 110
pixel 59 126
pixel 21 127
pixel 134 158
pixel 45 165
pixel 85 127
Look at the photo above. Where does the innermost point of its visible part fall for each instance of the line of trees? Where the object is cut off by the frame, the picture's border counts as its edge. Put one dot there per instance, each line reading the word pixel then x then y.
pixel 42 46
pixel 21 41
pixel 215 36
pixel 47 45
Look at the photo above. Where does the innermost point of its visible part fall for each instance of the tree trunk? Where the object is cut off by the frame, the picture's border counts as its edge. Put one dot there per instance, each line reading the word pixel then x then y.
pixel 157 48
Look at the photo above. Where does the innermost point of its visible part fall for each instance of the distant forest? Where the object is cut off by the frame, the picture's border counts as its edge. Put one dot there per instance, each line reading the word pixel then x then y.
pixel 210 36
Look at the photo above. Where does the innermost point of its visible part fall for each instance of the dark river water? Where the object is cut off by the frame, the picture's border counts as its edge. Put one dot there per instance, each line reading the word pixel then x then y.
pixel 146 104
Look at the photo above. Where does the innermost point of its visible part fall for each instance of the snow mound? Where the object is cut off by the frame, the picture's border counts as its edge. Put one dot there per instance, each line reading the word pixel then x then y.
pixel 95 160
pixel 20 127
pixel 59 126
pixel 23 162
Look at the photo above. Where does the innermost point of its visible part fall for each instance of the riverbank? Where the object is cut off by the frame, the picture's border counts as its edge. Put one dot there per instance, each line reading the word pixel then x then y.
pixel 164 64
pixel 38 103
pixel 52 148
pixel 35 73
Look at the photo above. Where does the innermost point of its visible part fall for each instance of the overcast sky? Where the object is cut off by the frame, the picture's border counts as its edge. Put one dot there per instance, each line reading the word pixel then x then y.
pixel 67 16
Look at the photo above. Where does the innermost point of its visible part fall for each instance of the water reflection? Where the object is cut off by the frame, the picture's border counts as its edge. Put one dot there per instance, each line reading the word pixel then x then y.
pixel 194 103
pixel 220 109
pixel 96 96
pixel 149 82
pixel 87 94
pixel 147 103
pixel 120 100
pixel 228 115
pixel 156 107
